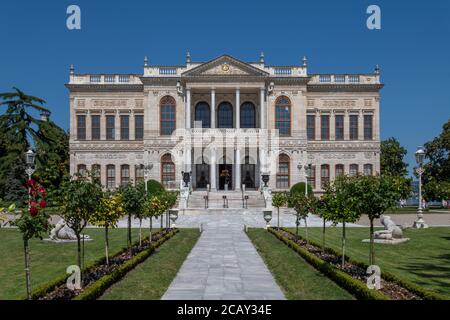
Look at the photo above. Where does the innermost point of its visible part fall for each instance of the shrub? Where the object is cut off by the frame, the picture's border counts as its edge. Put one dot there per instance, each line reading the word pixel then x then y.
pixel 300 188
pixel 154 187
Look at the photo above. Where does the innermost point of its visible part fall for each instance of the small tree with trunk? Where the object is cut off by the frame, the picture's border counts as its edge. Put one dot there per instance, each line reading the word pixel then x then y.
pixel 107 215
pixel 374 195
pixel 81 198
pixel 153 207
pixel 132 202
pixel 32 223
pixel 279 199
pixel 340 205
pixel 301 205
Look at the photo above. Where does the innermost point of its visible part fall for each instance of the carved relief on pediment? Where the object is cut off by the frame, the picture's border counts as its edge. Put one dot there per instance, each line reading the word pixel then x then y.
pixel 224 69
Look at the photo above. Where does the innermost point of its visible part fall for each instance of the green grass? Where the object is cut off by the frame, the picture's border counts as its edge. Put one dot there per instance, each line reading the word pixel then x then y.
pixel 298 279
pixel 48 260
pixel 423 260
pixel 150 279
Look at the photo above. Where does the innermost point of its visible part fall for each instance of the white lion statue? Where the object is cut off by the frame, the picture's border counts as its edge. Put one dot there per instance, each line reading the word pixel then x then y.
pixel 62 231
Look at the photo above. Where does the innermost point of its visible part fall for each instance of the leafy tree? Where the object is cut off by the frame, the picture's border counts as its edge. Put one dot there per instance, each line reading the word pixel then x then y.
pixel 32 223
pixel 108 213
pixel 374 195
pixel 435 190
pixel 81 197
pixel 153 207
pixel 279 199
pixel 302 205
pixel 340 205
pixel 318 208
pixel 300 188
pixel 392 158
pixel 437 169
pixel 133 201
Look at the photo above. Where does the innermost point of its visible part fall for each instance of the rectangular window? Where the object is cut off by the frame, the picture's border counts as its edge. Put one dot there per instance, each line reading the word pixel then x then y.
pixel 139 173
pixel 81 127
pixel 283 176
pixel 324 175
pixel 110 126
pixel 311 126
pixel 95 127
pixel 96 171
pixel 354 127
pixel 124 127
pixel 339 127
pixel 339 170
pixel 110 176
pixel 325 127
pixel 138 127
pixel 353 170
pixel 124 174
pixel 312 177
pixel 368 127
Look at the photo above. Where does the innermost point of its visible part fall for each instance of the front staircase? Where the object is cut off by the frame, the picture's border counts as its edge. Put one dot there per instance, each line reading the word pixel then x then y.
pixel 216 201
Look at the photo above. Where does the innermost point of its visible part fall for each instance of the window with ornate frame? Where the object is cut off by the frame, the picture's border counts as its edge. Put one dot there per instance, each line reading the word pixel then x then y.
pixel 368 127
pixel 283 115
pixel 167 171
pixel 339 170
pixel 110 176
pixel 283 172
pixel 368 169
pixel 339 127
pixel 139 173
pixel 81 170
pixel 311 172
pixel 124 174
pixel 167 115
pixel 138 126
pixel 324 175
pixel 124 127
pixel 353 129
pixel 96 171
pixel 225 115
pixel 248 115
pixel 95 127
pixel 325 127
pixel 353 171
pixel 110 127
pixel 203 114
pixel 81 127
pixel 311 126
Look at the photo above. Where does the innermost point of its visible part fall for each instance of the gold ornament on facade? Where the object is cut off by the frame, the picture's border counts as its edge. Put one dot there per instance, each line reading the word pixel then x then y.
pixel 225 67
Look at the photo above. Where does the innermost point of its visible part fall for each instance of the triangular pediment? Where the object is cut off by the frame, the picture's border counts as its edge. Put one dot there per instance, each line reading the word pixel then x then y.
pixel 223 66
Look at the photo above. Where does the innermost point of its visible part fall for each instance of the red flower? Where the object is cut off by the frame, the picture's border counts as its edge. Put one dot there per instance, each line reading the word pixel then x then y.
pixel 33 203
pixel 43 204
pixel 30 182
pixel 33 211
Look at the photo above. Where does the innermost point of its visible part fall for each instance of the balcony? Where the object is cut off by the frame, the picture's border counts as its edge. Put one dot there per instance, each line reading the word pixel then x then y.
pixel 345 79
pixel 105 79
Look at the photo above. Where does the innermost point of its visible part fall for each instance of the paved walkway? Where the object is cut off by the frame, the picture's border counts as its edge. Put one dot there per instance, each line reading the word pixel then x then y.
pixel 223 265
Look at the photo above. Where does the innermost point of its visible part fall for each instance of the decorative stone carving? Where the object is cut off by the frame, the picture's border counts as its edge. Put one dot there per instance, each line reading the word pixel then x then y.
pixel 110 103
pixel 81 103
pixel 392 234
pixel 63 233
pixel 339 103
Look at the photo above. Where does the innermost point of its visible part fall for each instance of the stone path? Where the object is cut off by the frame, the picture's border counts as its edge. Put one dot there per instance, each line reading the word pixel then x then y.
pixel 223 264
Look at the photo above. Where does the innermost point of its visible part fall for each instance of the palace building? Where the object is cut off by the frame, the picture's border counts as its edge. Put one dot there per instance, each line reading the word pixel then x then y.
pixel 277 120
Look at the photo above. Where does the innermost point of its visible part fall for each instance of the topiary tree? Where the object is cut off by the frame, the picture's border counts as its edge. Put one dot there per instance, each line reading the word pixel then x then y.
pixel 108 213
pixel 32 223
pixel 132 202
pixel 81 197
pixel 340 204
pixel 279 199
pixel 374 195
pixel 154 187
pixel 300 188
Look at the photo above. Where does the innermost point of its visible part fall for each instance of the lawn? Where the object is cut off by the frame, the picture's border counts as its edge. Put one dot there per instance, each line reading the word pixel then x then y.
pixel 150 279
pixel 298 279
pixel 424 260
pixel 48 260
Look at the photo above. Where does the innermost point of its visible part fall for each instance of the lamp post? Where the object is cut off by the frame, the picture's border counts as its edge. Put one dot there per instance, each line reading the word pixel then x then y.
pixel 30 157
pixel 147 169
pixel 420 156
pixel 307 170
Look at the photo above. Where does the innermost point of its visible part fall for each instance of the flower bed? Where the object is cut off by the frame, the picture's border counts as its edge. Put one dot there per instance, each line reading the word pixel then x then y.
pixel 97 277
pixel 353 275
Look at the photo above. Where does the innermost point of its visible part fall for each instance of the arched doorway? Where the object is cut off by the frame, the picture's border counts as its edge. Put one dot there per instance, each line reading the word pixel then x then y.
pixel 225 115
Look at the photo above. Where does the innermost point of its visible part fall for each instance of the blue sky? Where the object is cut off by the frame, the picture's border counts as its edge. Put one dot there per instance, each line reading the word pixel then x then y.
pixel 412 47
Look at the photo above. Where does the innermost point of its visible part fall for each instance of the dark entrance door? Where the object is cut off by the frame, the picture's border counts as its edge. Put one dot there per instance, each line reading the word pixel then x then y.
pixel 225 176
pixel 202 175
pixel 248 175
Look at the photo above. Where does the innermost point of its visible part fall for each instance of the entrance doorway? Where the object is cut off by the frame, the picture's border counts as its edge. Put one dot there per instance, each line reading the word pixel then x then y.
pixel 248 175
pixel 225 176
pixel 201 175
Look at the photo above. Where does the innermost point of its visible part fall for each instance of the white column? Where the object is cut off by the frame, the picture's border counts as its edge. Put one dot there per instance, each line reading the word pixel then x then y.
pixel 213 108
pixel 188 109
pixel 132 126
pixel 263 109
pixel 238 108
pixel 238 169
pixel 212 168
pixel 117 125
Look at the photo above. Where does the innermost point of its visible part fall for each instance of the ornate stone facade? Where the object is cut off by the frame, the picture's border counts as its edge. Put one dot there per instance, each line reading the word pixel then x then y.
pixel 124 122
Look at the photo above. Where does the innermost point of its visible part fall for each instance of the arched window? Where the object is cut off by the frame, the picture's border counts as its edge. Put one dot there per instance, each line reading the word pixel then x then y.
pixel 283 172
pixel 96 171
pixel 324 175
pixel 139 173
pixel 81 170
pixel 124 174
pixel 225 115
pixel 283 115
pixel 368 169
pixel 167 115
pixel 110 176
pixel 339 170
pixel 312 176
pixel 248 115
pixel 353 170
pixel 203 114
pixel 167 171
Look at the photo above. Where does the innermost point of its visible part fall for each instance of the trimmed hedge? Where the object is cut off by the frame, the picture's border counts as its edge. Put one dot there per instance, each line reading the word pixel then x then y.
pixel 96 289
pixel 154 187
pixel 354 286
pixel 300 188
pixel 421 292
pixel 50 286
